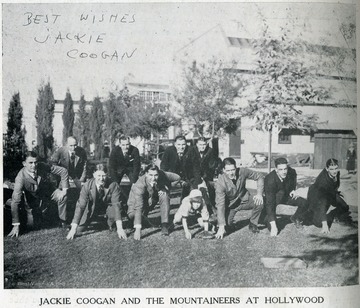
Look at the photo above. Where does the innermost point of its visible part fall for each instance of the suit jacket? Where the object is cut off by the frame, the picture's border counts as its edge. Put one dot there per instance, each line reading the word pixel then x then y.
pixel 323 191
pixel 118 162
pixel 274 187
pixel 62 158
pixel 35 190
pixel 142 188
pixel 208 163
pixel 87 203
pixel 188 167
pixel 230 195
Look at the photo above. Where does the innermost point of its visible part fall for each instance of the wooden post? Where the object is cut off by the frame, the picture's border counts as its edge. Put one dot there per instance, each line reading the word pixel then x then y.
pixel 269 150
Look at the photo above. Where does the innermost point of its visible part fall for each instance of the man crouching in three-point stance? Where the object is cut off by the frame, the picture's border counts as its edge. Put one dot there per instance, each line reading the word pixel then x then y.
pixel 325 192
pixel 232 196
pixel 97 199
pixel 34 193
pixel 280 186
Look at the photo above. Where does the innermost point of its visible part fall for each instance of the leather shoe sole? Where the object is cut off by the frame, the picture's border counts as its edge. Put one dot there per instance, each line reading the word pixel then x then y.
pixel 253 228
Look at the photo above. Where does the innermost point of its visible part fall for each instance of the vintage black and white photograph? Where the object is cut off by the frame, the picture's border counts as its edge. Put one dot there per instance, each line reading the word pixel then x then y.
pixel 179 145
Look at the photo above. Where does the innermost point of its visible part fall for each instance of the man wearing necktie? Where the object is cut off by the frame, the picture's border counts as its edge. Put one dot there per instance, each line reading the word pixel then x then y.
pixel 182 160
pixel 325 192
pixel 98 199
pixel 34 193
pixel 74 159
pixel 208 165
pixel 150 189
pixel 232 196
pixel 124 159
pixel 280 188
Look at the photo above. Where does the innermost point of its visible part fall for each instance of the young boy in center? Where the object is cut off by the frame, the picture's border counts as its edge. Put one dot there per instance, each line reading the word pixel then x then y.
pixel 192 205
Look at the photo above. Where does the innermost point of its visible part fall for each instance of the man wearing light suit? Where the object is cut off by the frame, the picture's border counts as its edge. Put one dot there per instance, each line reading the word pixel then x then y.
pixel 74 159
pixel 232 196
pixel 97 199
pixel 34 193
pixel 150 189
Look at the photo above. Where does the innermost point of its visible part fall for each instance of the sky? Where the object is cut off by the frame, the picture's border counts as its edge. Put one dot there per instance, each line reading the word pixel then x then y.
pixel 43 42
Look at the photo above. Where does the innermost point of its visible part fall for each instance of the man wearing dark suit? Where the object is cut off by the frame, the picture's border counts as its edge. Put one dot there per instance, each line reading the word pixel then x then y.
pixel 124 159
pixel 208 165
pixel 182 160
pixel 96 199
pixel 34 184
pixel 74 159
pixel 325 192
pixel 232 196
pixel 280 186
pixel 150 189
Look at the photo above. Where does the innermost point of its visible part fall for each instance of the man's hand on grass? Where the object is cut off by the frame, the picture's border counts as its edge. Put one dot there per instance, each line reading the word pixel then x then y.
pixel 72 232
pixel 121 234
pixel 137 234
pixel 325 228
pixel 188 235
pixel 15 231
pixel 220 233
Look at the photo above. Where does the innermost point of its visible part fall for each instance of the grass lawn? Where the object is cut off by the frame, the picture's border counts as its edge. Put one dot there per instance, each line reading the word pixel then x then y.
pixel 45 259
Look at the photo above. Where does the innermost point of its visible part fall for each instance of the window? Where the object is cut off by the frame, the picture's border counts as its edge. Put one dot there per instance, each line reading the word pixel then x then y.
pixel 142 95
pixel 148 96
pixel 284 139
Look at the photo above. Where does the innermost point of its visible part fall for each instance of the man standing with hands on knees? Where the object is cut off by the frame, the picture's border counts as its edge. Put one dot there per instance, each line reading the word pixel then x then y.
pixel 232 196
pixel 96 199
pixel 124 159
pixel 280 186
pixel 73 158
pixel 182 160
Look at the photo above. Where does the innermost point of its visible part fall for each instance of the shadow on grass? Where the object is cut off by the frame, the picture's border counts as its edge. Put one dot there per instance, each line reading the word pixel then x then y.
pixel 336 251
pixel 31 266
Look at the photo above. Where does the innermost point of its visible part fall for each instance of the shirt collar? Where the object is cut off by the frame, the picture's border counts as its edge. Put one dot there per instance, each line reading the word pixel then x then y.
pixel 281 180
pixel 33 175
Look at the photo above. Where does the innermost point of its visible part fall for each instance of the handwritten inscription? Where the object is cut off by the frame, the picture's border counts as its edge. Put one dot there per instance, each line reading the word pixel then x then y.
pixel 56 36
pixel 116 56
pixel 80 38
pixel 37 19
pixel 111 18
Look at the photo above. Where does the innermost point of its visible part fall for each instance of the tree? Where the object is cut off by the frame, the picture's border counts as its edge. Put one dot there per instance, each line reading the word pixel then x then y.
pixel 81 127
pixel 156 120
pixel 282 83
pixel 207 96
pixel 68 116
pixel 97 126
pixel 115 107
pixel 14 143
pixel 44 120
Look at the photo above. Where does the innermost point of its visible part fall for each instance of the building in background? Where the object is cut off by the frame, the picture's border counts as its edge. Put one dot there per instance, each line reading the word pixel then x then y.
pixel 338 123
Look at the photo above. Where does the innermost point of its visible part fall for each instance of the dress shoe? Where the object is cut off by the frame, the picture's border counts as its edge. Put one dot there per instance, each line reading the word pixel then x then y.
pixel 347 221
pixel 164 229
pixel 297 222
pixel 253 228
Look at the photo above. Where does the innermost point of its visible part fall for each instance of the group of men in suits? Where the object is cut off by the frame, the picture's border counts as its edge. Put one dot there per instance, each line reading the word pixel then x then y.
pixel 193 167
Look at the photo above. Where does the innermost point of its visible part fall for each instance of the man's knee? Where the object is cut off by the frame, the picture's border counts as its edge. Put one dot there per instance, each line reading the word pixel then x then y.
pixel 164 198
